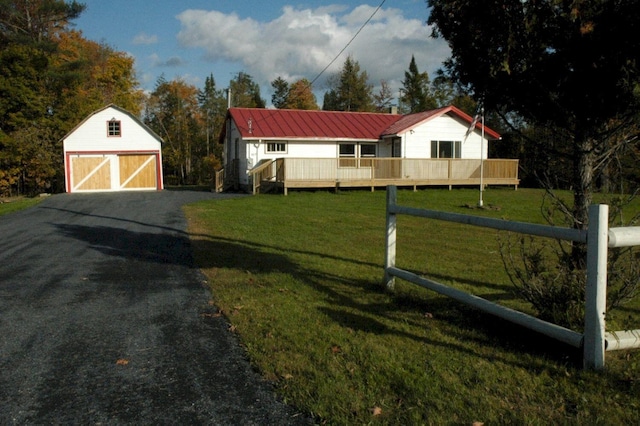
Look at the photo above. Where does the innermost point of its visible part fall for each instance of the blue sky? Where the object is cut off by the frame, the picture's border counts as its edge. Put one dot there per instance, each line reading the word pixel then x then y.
pixel 192 39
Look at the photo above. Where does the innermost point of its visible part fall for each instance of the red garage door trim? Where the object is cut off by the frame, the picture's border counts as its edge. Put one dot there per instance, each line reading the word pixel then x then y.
pixel 69 154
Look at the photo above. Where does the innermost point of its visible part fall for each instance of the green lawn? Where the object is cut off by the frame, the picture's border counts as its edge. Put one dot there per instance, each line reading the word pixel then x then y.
pixel 300 280
pixel 15 204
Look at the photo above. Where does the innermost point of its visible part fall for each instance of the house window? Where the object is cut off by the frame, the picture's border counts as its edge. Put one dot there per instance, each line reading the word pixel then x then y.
pixel 445 149
pixel 357 155
pixel 347 153
pixel 367 151
pixel 276 148
pixel 113 128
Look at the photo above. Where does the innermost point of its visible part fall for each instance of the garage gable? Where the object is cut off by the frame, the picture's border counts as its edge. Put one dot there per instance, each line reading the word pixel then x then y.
pixel 112 150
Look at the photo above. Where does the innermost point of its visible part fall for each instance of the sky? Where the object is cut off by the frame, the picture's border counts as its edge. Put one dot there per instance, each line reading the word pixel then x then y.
pixel 292 39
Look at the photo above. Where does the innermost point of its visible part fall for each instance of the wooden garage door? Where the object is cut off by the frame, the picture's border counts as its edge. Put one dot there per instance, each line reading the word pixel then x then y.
pixel 137 171
pixel 90 173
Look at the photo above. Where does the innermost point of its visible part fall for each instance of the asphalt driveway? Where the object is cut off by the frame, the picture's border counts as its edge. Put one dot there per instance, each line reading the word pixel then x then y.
pixel 105 320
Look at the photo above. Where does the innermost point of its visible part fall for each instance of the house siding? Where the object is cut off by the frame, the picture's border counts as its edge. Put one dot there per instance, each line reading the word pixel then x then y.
pixel 92 135
pixel 445 128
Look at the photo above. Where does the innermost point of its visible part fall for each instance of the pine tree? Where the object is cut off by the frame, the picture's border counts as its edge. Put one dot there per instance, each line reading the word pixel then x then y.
pixel 351 91
pixel 245 92
pixel 280 92
pixel 417 95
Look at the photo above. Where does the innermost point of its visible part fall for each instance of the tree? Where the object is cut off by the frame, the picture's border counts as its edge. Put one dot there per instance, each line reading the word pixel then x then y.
pixel 350 89
pixel 213 107
pixel 173 112
pixel 383 98
pixel 568 65
pixel 30 91
pixel 245 92
pixel 416 95
pixel 36 20
pixel 51 77
pixel 298 95
pixel 280 92
pixel 445 91
pixel 301 96
pixel 96 75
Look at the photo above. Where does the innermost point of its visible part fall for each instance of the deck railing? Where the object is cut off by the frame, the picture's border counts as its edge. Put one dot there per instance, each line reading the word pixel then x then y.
pixel 353 172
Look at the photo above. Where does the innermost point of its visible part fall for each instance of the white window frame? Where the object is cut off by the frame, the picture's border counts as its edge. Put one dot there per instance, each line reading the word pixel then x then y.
pixel 276 147
pixel 347 160
pixel 375 150
pixel 114 128
pixel 456 149
pixel 355 160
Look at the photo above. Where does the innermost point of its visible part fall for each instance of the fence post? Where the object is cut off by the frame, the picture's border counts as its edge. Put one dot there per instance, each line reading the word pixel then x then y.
pixel 390 238
pixel 596 291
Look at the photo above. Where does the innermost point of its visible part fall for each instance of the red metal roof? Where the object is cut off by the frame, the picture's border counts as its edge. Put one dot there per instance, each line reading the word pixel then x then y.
pixel 255 123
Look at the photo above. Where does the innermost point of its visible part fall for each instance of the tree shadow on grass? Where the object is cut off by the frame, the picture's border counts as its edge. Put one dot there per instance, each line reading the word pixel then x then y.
pixel 463 322
pixel 175 248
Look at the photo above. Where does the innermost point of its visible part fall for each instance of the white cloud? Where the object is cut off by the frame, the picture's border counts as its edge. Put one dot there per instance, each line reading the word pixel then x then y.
pixel 144 38
pixel 302 42
pixel 172 62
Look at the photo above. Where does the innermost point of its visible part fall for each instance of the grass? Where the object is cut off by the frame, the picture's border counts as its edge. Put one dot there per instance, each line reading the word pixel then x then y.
pixel 300 280
pixel 11 205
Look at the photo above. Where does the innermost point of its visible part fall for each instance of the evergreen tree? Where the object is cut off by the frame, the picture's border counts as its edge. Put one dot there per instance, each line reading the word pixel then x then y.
pixel 351 90
pixel 213 107
pixel 280 92
pixel 570 66
pixel 245 92
pixel 417 94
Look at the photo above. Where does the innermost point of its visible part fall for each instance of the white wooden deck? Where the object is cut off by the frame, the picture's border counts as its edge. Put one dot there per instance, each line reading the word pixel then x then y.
pixel 286 173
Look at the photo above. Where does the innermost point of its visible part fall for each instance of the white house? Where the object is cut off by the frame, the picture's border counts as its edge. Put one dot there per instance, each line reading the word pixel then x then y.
pixel 112 150
pixel 327 148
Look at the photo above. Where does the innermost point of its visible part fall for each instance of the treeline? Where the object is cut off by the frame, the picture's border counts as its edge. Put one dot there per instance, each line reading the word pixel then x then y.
pixel 51 78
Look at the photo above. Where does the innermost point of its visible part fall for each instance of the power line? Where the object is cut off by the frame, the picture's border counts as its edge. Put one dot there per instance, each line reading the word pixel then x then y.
pixel 348 44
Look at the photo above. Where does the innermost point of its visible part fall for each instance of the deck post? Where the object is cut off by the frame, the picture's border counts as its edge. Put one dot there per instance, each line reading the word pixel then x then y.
pixel 390 239
pixel 596 291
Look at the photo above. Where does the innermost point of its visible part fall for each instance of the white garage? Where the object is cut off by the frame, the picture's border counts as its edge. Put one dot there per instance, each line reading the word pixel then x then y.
pixel 112 150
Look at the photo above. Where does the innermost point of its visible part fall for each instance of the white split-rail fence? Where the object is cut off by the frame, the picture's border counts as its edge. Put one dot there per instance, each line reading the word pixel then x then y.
pixel 599 237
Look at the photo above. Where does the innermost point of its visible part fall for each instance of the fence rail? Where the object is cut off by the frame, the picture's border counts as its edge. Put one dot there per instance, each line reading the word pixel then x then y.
pixel 594 341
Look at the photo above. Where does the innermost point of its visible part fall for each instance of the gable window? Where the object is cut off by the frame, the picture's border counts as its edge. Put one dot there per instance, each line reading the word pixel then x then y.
pixel 445 149
pixel 113 128
pixel 276 147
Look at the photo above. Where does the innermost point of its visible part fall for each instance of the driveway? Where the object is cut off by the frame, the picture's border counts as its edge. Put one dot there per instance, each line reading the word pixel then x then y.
pixel 104 319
